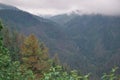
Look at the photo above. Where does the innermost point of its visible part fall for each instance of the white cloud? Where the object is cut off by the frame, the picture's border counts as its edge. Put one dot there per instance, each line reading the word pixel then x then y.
pixel 108 7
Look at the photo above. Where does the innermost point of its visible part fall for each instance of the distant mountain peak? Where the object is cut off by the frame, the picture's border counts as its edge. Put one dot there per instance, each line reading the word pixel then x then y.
pixel 78 12
pixel 75 11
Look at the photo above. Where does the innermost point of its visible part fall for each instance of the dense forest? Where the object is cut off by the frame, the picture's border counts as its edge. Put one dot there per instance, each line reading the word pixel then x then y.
pixel 25 58
pixel 61 47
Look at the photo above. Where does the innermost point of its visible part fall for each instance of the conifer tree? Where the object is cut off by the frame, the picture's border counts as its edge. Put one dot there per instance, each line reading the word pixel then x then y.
pixel 10 70
pixel 34 55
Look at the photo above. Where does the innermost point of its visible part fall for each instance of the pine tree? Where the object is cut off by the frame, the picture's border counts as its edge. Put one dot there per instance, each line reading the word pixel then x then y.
pixel 34 55
pixel 10 70
pixel 11 40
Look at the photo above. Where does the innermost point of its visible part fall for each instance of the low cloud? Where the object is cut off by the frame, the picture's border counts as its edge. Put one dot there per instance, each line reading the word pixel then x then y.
pixel 107 7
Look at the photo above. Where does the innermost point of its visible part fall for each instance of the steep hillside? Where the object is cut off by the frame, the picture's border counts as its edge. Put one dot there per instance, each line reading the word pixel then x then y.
pixel 49 32
pixel 98 39
pixel 95 39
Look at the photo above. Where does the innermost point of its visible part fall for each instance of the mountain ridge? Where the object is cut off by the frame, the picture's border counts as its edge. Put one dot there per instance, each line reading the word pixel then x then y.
pixel 5 6
pixel 86 42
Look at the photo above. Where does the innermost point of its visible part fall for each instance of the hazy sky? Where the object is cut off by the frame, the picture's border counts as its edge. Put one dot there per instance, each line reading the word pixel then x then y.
pixel 108 7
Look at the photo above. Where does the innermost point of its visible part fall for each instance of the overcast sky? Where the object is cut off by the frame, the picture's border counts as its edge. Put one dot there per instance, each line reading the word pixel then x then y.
pixel 107 7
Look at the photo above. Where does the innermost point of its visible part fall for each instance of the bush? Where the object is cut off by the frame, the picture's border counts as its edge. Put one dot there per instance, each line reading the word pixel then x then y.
pixel 111 75
pixel 56 73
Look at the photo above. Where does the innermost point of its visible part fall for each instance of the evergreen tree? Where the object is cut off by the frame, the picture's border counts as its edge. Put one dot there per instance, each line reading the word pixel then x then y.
pixel 34 55
pixel 10 70
pixel 12 41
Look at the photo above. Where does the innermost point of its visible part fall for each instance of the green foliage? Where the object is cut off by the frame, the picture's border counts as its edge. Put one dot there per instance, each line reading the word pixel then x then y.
pixel 11 70
pixel 11 41
pixel 111 75
pixel 57 73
